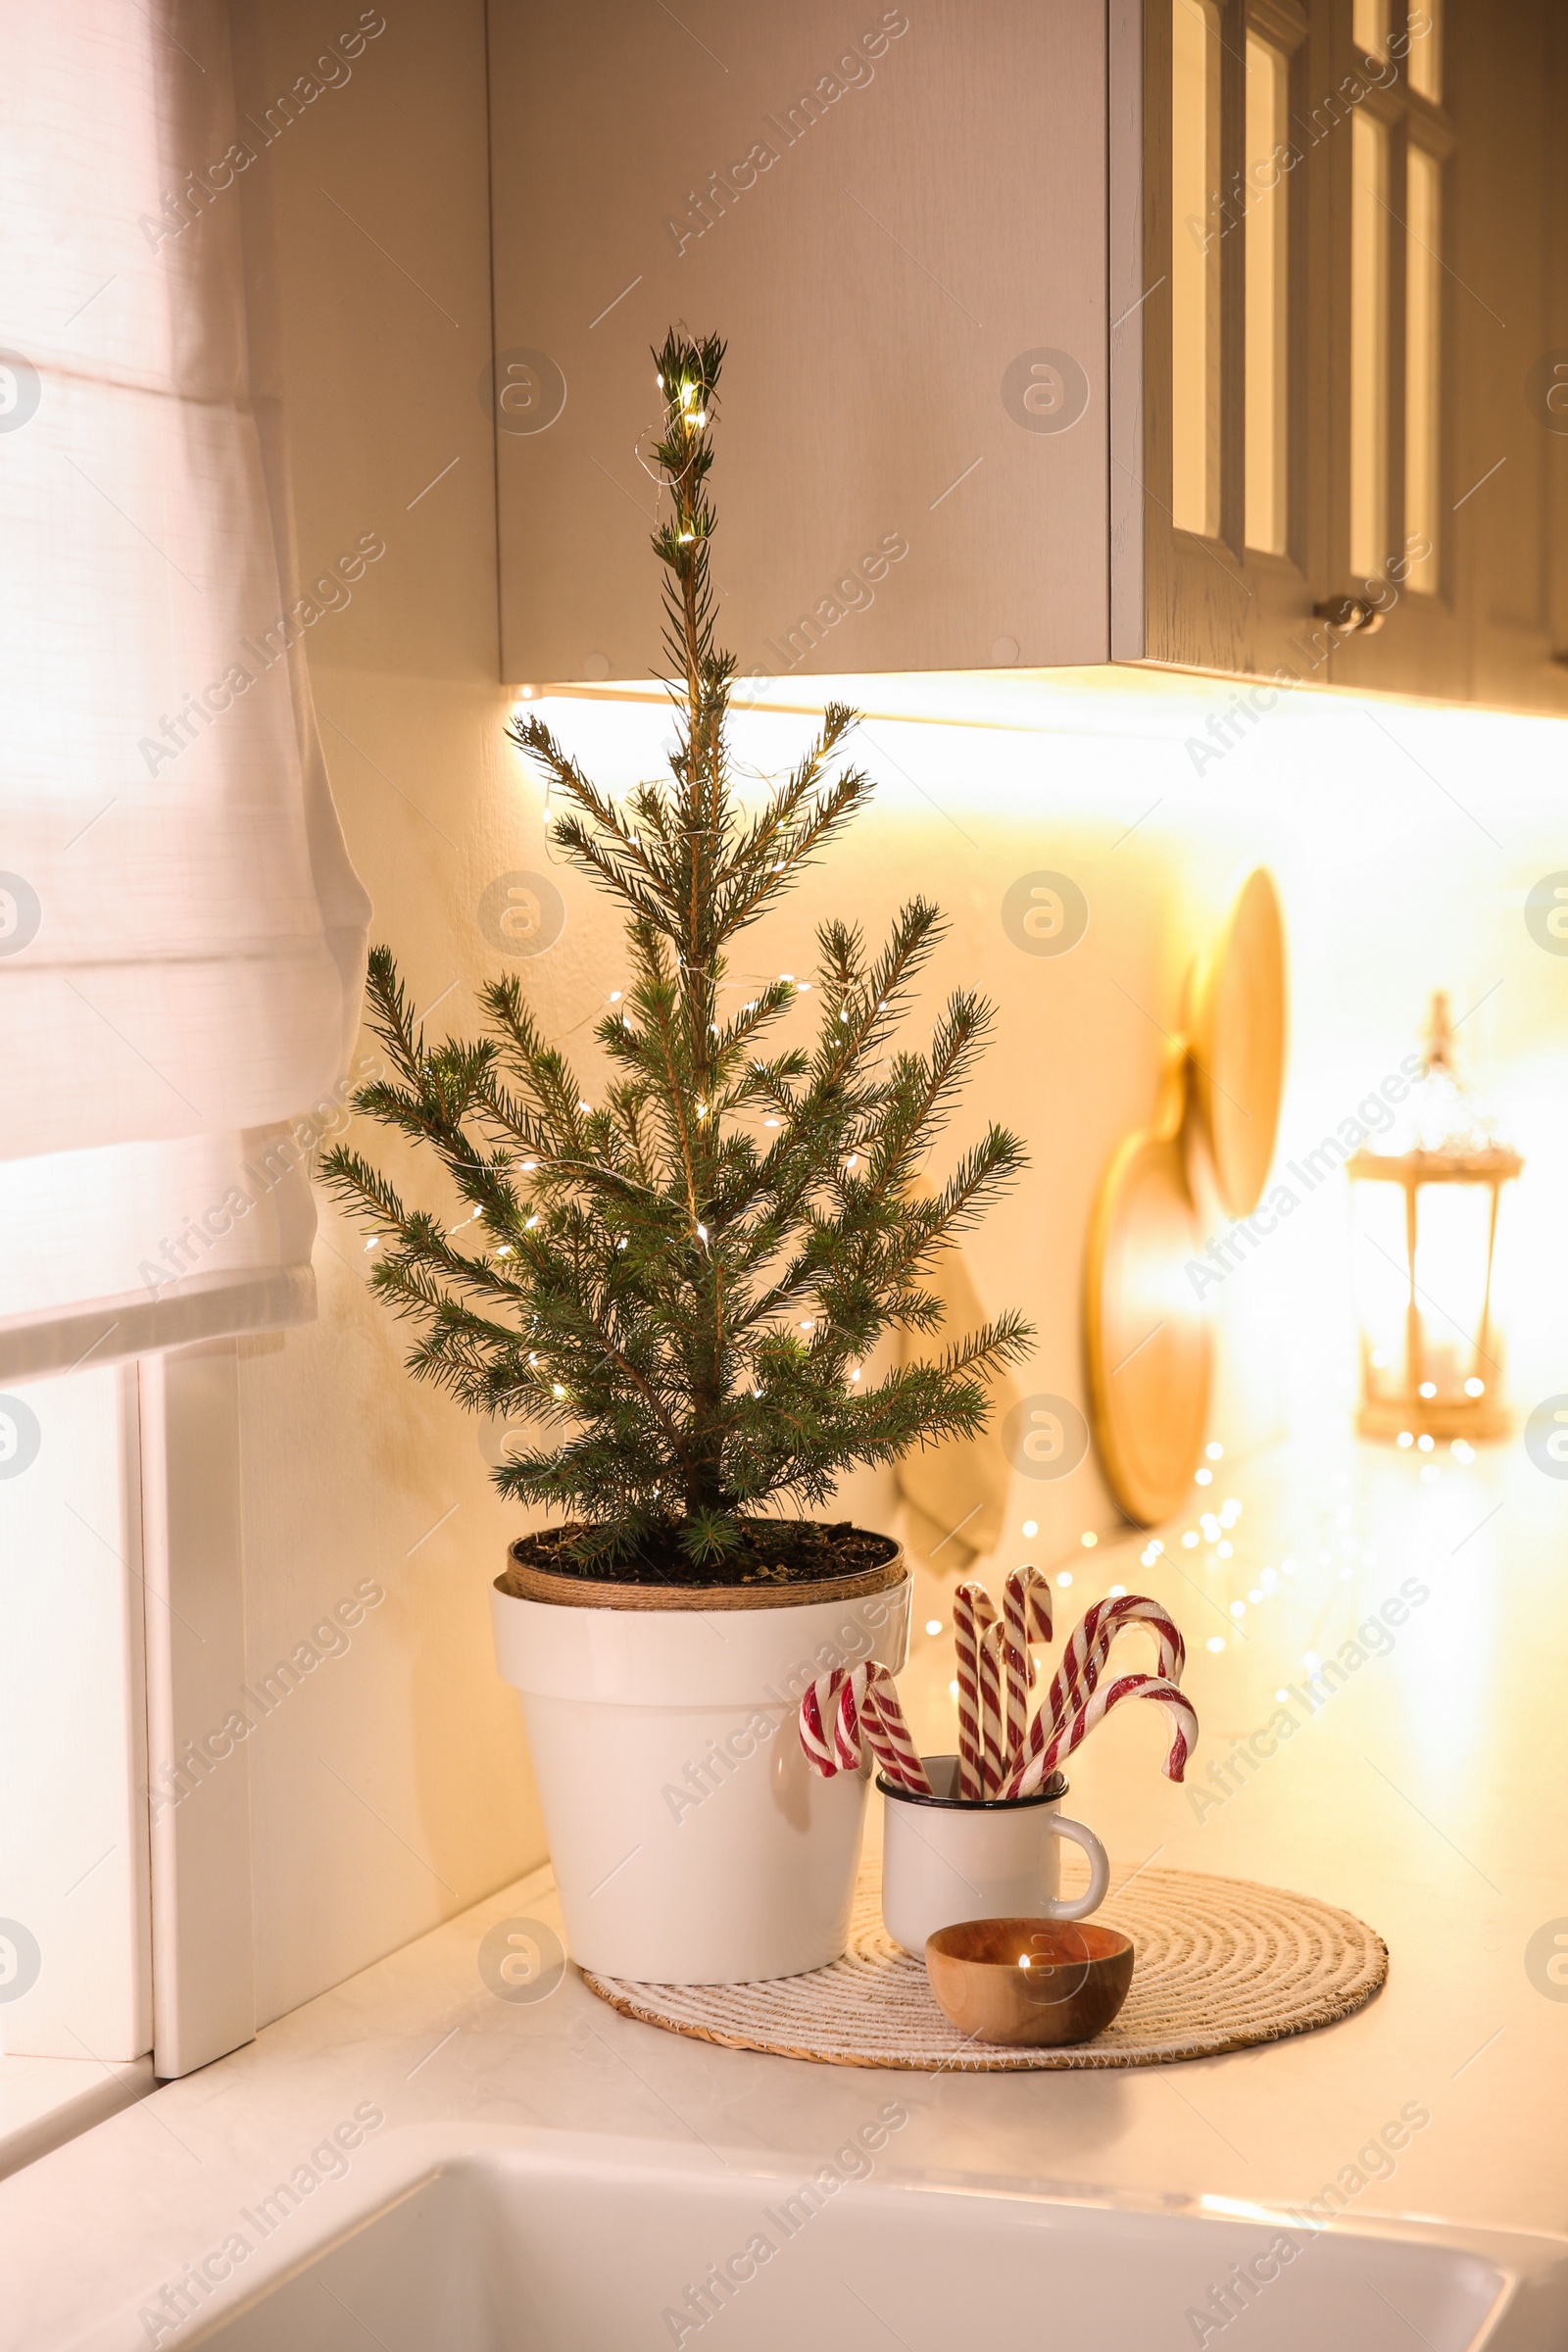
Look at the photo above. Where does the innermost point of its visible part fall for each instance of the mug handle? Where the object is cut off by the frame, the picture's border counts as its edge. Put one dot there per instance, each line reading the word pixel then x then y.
pixel 1099 1870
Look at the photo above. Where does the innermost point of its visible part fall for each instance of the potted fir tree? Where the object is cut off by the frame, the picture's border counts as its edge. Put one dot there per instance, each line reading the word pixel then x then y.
pixel 681 1287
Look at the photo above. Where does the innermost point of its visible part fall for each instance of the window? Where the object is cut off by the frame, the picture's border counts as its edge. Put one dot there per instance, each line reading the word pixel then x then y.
pixel 1195 257
pixel 180 943
pixel 1369 344
pixel 1268 502
pixel 1422 364
pixel 1426 51
pixel 1369 26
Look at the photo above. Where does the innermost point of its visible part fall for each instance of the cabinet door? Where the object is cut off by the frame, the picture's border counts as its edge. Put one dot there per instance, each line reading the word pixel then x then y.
pixel 1507 96
pixel 898 223
pixel 1407 216
pixel 1390 314
pixel 1219 341
pixel 1463 132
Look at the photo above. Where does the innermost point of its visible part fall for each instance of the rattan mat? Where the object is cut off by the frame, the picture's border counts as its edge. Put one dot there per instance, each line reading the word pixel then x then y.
pixel 1221 1964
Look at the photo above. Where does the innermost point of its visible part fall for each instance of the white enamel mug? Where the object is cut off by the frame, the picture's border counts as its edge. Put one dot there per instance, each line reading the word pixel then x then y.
pixel 946 1858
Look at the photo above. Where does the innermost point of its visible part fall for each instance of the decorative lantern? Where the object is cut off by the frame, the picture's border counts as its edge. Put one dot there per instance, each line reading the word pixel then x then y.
pixel 1425 1197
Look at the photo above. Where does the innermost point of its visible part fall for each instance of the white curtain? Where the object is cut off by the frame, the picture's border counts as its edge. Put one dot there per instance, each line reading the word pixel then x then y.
pixel 181 934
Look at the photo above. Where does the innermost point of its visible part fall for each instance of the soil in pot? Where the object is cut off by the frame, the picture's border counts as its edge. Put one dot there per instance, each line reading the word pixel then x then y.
pixel 779 1562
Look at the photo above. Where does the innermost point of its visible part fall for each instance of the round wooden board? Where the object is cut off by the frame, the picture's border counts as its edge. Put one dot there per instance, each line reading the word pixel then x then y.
pixel 1238 1044
pixel 1148 1342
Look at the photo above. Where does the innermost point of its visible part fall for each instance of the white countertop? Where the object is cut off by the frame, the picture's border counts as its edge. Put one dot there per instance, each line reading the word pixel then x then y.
pixel 1429 1794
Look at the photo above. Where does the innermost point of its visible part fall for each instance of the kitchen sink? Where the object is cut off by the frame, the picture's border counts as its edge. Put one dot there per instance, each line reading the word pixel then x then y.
pixel 545 2245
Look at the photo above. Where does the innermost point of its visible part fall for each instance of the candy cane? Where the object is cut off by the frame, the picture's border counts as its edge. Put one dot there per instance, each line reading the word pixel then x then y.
pixel 1032 1774
pixel 1026 1598
pixel 818 1708
pixel 1085 1658
pixel 972 1612
pixel 854 1705
pixel 1089 1646
pixel 889 1734
pixel 1017 1677
pixel 1026 1618
pixel 992 1725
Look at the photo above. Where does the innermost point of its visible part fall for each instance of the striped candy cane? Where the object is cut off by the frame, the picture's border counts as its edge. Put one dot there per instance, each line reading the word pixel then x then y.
pixel 972 1613
pixel 1026 1604
pixel 993 1728
pixel 888 1734
pixel 852 1705
pixel 1083 1660
pixel 818 1710
pixel 1025 1618
pixel 1036 1770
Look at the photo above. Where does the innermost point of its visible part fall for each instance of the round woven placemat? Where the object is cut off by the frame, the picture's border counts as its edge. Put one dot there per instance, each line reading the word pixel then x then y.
pixel 1221 1964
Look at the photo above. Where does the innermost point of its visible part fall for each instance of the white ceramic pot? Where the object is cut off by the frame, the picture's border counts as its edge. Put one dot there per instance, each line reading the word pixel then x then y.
pixel 946 1858
pixel 692 1842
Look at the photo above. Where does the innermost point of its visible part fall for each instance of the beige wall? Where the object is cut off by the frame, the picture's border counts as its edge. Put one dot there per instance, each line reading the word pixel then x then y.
pixel 393 1787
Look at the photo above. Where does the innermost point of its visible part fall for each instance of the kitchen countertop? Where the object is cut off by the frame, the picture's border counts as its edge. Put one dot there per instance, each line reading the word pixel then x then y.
pixel 1429 1793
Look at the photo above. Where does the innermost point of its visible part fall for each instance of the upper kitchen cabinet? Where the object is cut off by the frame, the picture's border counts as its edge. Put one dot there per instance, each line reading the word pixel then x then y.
pixel 896 221
pixel 1219 333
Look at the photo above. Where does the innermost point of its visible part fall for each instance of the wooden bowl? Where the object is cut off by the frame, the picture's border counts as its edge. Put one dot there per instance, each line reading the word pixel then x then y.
pixel 1029 1980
